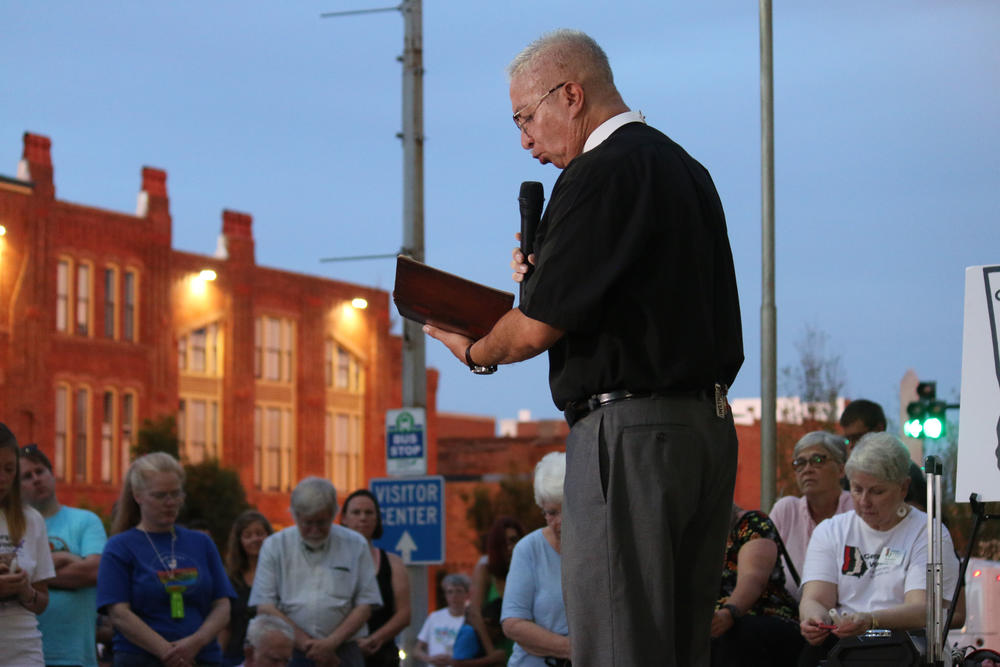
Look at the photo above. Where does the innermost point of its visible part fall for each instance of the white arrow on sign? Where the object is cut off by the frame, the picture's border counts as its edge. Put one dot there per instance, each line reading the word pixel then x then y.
pixel 406 546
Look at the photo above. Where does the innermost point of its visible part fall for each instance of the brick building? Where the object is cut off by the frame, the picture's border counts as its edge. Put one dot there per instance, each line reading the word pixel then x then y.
pixel 103 325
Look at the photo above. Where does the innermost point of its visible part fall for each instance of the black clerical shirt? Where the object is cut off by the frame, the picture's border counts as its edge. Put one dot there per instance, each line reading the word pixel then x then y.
pixel 634 264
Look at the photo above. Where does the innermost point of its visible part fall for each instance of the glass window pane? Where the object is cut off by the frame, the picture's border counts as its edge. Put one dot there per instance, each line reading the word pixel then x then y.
pixel 110 285
pixel 80 435
pixel 82 299
pixel 62 412
pixel 128 316
pixel 62 296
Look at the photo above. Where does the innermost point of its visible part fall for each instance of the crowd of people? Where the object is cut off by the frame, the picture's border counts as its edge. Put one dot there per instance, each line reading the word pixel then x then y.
pixel 640 528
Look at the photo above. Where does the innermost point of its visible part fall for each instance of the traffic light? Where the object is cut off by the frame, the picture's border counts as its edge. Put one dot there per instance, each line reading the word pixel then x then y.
pixel 926 416
pixel 914 426
pixel 934 420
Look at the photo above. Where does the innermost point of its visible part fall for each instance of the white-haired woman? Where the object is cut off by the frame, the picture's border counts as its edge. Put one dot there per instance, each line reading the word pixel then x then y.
pixel 866 568
pixel 533 614
pixel 163 586
pixel 818 461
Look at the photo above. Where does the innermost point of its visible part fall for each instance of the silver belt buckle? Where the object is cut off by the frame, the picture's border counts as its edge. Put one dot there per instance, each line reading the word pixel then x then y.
pixel 720 400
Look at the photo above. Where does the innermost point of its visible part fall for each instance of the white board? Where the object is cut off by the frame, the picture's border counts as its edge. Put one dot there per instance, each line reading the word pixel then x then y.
pixel 979 417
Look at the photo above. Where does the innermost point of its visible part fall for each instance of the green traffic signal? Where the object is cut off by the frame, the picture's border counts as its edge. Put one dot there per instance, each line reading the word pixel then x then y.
pixel 913 428
pixel 926 419
pixel 934 420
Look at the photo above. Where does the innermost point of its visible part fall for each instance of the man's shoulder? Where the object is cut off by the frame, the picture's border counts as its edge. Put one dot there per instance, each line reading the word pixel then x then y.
pixel 282 539
pixel 348 539
pixel 76 515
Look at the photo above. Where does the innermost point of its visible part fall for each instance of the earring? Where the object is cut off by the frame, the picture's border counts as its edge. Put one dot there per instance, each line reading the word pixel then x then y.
pixel 902 510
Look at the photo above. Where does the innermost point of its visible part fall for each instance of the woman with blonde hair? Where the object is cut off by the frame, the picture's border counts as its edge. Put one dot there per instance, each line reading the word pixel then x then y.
pixel 25 563
pixel 163 585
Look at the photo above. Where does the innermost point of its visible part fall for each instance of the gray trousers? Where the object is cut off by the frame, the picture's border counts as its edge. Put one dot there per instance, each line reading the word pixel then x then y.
pixel 648 492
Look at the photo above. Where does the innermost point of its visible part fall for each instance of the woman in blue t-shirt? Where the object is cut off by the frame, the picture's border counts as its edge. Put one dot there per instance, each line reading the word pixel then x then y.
pixel 163 586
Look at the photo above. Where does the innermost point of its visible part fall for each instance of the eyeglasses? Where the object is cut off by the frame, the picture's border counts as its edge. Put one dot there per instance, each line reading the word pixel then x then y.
pixel 816 459
pixel 521 120
pixel 160 496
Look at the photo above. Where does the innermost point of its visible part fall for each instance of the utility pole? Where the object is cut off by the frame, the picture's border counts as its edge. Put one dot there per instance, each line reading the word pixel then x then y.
pixel 414 342
pixel 414 378
pixel 768 311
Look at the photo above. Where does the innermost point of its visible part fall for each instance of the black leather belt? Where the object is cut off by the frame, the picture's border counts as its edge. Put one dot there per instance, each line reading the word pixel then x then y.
pixel 577 410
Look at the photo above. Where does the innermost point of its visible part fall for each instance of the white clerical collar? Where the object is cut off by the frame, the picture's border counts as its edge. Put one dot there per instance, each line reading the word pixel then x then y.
pixel 605 129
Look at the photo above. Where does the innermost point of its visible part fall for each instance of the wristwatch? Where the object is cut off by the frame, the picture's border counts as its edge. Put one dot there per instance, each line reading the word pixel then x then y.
pixel 476 368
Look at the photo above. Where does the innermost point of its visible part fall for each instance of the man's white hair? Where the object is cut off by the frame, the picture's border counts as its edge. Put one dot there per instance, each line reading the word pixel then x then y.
pixel 312 496
pixel 568 51
pixel 264 624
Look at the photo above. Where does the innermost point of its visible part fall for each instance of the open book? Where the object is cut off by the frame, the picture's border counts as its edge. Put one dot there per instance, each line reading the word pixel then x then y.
pixel 431 296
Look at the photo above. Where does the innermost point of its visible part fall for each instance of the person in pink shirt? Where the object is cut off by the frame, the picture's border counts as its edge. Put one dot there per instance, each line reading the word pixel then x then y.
pixel 818 461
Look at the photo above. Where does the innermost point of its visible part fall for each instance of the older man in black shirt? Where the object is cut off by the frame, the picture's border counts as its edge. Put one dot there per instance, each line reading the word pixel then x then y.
pixel 634 297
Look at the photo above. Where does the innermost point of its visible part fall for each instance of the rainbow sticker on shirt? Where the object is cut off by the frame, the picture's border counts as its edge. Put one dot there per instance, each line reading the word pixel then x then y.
pixel 176 582
pixel 182 578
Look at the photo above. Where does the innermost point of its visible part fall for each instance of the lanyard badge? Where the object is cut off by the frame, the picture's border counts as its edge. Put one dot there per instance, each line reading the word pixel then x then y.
pixel 176 601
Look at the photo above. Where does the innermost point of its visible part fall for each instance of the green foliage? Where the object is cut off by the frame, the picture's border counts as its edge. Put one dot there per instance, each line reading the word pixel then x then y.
pixel 515 497
pixel 157 435
pixel 215 495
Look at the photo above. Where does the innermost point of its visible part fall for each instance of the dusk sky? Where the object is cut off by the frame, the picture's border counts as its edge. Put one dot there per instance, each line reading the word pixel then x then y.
pixel 887 148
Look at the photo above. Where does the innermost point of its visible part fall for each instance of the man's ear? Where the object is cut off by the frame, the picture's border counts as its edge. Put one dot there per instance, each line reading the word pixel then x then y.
pixel 573 96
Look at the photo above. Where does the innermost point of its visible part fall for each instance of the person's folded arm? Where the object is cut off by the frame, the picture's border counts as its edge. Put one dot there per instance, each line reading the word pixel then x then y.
pixel 535 639
pixel 76 573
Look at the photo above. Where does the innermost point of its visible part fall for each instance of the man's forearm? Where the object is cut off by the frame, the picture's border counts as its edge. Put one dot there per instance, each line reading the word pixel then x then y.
pixel 515 337
pixel 351 624
pixel 80 573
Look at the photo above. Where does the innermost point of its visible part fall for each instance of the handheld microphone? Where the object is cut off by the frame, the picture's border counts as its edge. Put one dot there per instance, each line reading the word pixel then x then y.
pixel 530 201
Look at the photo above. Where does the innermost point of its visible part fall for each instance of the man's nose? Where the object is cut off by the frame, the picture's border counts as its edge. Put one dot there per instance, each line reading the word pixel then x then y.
pixel 526 141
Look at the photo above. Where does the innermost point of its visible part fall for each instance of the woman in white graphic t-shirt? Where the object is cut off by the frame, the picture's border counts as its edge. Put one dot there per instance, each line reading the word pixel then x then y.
pixel 866 568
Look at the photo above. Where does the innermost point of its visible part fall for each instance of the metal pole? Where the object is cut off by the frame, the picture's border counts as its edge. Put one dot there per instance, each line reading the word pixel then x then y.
pixel 414 378
pixel 768 312
pixel 414 357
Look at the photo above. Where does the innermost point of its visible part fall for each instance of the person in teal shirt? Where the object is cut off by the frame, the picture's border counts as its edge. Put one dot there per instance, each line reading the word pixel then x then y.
pixel 76 538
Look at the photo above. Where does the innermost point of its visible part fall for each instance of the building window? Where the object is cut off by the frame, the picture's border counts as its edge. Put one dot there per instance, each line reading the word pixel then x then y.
pixel 273 447
pixel 343 450
pixel 348 373
pixel 328 362
pixel 110 302
pixel 83 299
pixel 193 430
pixel 213 431
pixel 107 435
pixel 81 435
pixel 62 430
pixel 274 349
pixel 200 351
pixel 258 446
pixel 343 368
pixel 182 353
pixel 129 287
pixel 128 430
pixel 62 296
